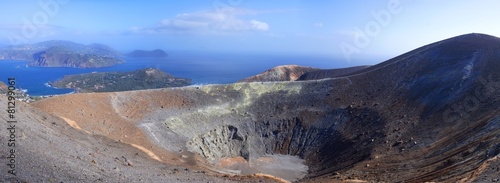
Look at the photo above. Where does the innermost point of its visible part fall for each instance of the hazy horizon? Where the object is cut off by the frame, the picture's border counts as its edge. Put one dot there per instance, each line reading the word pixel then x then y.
pixel 351 30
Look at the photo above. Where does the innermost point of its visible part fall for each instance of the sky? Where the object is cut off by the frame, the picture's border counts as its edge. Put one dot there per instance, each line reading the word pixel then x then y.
pixel 350 30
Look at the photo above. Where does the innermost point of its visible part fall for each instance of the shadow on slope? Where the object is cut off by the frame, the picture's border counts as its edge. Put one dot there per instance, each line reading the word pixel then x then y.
pixel 428 115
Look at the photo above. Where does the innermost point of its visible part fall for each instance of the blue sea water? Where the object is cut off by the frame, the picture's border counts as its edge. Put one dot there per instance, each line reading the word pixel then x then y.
pixel 202 68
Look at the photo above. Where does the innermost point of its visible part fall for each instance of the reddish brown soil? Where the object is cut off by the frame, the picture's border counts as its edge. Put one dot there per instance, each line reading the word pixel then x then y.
pixel 431 115
pixel 117 122
pixel 280 73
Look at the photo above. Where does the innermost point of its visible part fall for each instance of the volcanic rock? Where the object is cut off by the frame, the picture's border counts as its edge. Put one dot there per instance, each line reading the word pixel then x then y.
pixel 280 73
pixel 48 149
pixel 431 114
pixel 330 73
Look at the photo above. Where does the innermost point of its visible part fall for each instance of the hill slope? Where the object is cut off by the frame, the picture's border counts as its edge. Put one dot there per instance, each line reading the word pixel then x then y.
pixel 280 73
pixel 47 149
pixel 62 54
pixel 428 115
pixel 300 73
pixel 330 73
pixel 3 88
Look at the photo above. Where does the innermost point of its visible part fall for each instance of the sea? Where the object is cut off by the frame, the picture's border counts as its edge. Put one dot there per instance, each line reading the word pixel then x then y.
pixel 202 67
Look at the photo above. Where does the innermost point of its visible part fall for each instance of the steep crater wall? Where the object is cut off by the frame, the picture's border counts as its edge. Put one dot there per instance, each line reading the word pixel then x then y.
pixel 330 144
pixel 423 116
pixel 243 120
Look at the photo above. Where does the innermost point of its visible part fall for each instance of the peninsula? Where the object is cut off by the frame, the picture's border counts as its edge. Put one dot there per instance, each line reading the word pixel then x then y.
pixel 58 53
pixel 120 81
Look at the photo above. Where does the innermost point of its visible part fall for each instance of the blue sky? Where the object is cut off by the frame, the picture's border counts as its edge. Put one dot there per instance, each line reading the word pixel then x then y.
pixel 350 30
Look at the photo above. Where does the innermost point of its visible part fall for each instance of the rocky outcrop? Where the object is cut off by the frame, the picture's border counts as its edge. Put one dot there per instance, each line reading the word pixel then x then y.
pixel 208 144
pixel 280 73
pixel 40 59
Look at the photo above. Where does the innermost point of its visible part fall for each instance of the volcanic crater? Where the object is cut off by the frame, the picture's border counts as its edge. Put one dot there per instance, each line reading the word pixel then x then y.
pixel 431 114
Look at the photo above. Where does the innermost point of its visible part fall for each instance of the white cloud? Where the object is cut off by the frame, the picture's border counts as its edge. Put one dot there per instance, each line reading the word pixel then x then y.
pixel 189 21
pixel 262 26
pixel 205 22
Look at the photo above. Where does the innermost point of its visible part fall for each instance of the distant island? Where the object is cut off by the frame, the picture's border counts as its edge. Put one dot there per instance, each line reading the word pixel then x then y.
pixel 63 54
pixel 120 81
pixel 158 53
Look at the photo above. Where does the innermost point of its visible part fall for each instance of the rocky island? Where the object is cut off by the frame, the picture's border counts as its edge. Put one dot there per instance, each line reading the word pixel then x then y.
pixel 63 54
pixel 120 81
pixel 158 53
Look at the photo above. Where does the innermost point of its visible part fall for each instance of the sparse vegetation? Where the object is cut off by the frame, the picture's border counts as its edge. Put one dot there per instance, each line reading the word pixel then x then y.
pixel 120 81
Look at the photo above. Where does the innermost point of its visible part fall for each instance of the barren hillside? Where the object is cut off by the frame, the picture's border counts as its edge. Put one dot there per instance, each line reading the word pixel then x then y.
pixel 431 114
pixel 49 149
pixel 280 73
pixel 330 73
